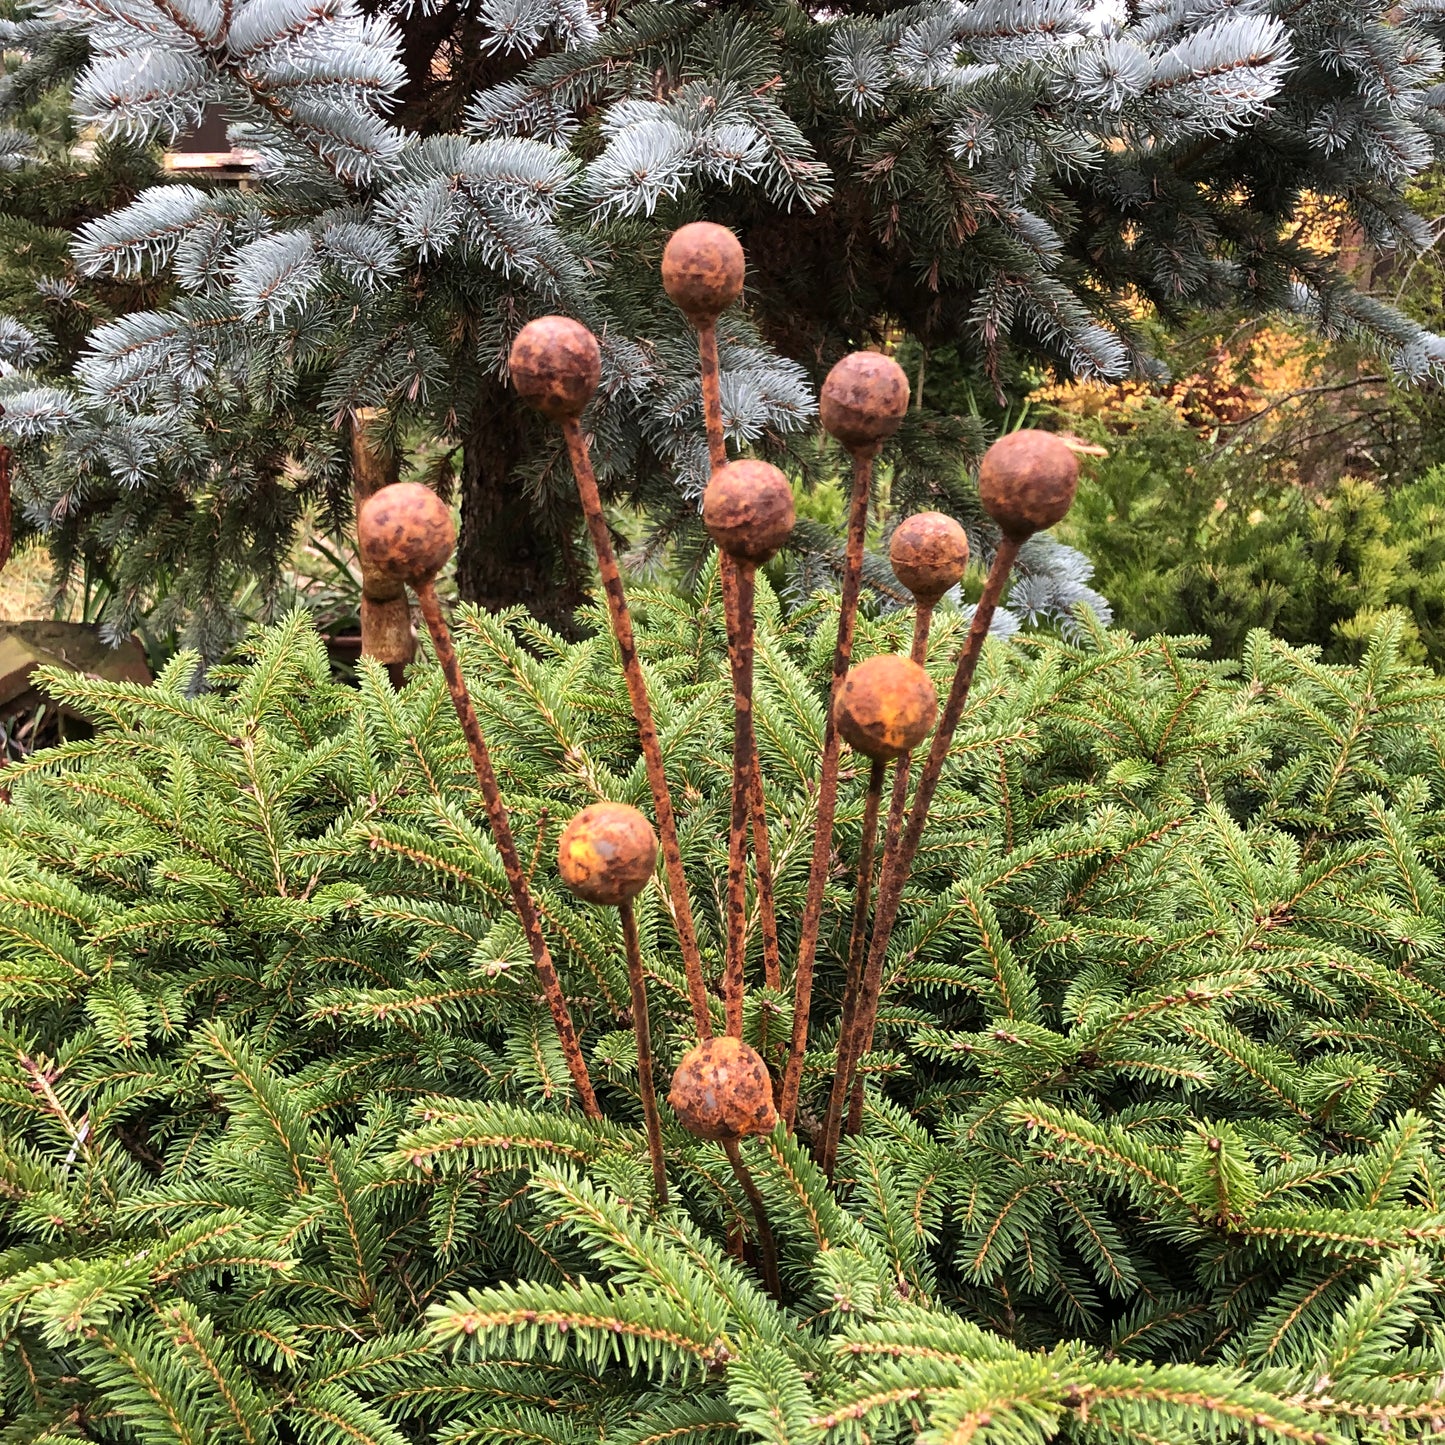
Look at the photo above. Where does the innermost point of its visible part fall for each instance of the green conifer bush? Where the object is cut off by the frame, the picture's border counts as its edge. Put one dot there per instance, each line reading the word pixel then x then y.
pixel 1151 1148
pixel 1188 538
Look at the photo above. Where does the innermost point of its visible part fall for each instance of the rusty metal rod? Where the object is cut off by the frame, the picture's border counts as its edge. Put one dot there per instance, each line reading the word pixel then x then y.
pixel 898 861
pixel 431 611
pixel 727 571
pixel 766 1248
pixel 863 459
pixel 848 1042
pixel 621 618
pixel 642 1031
pixel 763 877
pixel 897 813
pixel 740 660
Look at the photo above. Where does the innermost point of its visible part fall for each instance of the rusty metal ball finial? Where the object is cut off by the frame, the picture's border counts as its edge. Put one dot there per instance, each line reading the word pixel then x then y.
pixel 864 399
pixel 556 366
pixel 722 1091
pixel 405 531
pixel 1027 481
pixel 929 553
pixel 886 707
pixel 607 853
pixel 702 270
pixel 748 510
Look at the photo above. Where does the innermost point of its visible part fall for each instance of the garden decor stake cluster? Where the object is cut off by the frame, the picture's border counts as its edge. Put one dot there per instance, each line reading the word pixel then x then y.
pixel 929 555
pixel 883 708
pixel 556 365
pixel 405 531
pixel 1026 483
pixel 703 268
pixel 863 400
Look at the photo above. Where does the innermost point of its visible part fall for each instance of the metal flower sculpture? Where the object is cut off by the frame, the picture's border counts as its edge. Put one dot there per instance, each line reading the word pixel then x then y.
pixel 883 709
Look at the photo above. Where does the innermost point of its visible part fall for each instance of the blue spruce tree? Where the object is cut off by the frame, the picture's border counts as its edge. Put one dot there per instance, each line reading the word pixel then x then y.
pixel 1007 177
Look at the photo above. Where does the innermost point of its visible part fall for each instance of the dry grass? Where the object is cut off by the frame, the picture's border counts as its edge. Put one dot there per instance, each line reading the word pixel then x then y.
pixel 26 589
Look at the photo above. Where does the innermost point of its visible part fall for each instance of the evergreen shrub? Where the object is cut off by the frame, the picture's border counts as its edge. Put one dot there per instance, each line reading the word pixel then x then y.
pixel 1186 537
pixel 1151 1150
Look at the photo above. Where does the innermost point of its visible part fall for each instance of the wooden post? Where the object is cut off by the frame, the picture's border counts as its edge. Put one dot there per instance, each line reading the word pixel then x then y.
pixel 386 630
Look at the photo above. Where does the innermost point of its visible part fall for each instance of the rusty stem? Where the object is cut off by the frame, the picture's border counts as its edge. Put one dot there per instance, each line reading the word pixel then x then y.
pixel 897 811
pixel 766 1248
pixel 431 611
pixel 898 860
pixel 642 1030
pixel 727 569
pixel 827 784
pixel 740 660
pixel 621 618
pixel 848 1049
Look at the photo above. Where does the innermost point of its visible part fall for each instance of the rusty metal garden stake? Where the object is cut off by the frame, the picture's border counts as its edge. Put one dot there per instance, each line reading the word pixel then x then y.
pixel 1026 482
pixel 702 271
pixel 748 511
pixel 606 855
pixel 405 530
pixel 386 631
pixel 862 403
pixel 7 528
pixel 885 709
pixel 646 1088
pixel 766 1248
pixel 857 941
pixel 556 365
pixel 929 554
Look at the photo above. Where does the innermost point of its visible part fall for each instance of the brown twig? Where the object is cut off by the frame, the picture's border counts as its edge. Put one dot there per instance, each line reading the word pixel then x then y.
pixel 740 660
pixel 897 813
pixel 849 1050
pixel 766 1248
pixel 621 618
pixel 642 1031
pixel 727 569
pixel 431 611
pixel 898 859
pixel 827 783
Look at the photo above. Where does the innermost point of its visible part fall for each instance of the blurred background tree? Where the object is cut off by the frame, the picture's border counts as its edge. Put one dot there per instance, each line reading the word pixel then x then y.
pixel 1008 194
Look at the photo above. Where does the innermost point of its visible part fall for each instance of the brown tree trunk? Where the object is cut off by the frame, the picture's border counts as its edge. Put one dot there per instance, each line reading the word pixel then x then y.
pixel 510 551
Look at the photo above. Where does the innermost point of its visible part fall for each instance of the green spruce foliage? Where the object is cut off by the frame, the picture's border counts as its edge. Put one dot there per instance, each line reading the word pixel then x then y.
pixel 1151 1152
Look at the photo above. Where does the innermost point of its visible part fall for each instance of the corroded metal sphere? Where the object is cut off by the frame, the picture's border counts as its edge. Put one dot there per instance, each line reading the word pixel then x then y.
pixel 1027 481
pixel 405 531
pixel 886 707
pixel 555 366
pixel 722 1091
pixel 864 399
pixel 702 270
pixel 748 510
pixel 607 853
pixel 929 553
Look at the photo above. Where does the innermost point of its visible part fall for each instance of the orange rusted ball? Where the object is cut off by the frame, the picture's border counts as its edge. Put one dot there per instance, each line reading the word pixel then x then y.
pixel 748 510
pixel 1027 481
pixel 863 399
pixel 886 707
pixel 405 531
pixel 607 853
pixel 556 366
pixel 702 270
pixel 929 553
pixel 721 1090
